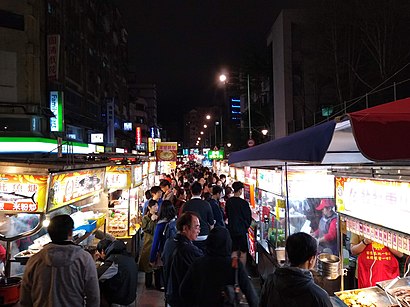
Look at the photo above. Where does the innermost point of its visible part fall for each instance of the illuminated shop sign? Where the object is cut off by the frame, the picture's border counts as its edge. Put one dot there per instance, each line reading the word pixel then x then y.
pixel 127 126
pixel 97 137
pixel 56 106
pixel 138 136
pixel 215 155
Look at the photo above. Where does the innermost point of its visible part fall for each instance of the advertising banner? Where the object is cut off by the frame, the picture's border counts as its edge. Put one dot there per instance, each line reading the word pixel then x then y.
pixel 23 193
pixel 53 56
pixel 383 203
pixel 118 177
pixel 167 151
pixel 69 187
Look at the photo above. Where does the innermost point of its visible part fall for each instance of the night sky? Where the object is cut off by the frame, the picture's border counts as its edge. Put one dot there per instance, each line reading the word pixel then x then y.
pixel 183 45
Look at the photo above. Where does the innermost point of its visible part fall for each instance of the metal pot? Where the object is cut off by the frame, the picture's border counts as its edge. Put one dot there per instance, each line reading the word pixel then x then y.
pixel 9 290
pixel 328 266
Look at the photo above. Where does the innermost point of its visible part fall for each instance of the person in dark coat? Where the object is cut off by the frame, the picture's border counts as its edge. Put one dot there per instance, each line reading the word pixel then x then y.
pixel 293 286
pixel 117 275
pixel 179 254
pixel 239 217
pixel 207 276
pixel 216 207
pixel 204 212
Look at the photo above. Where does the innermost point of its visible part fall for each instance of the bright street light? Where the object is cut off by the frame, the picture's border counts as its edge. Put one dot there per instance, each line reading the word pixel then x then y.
pixel 205 126
pixel 229 144
pixel 203 132
pixel 264 131
pixel 222 78
pixel 199 138
pixel 208 117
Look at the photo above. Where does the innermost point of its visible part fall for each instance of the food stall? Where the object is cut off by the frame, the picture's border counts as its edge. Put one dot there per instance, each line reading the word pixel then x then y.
pixel 23 194
pixel 30 193
pixel 249 196
pixel 79 193
pixel 374 203
pixel 125 190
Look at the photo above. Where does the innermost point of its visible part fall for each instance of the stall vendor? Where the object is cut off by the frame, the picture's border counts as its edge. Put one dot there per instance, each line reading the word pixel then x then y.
pixel 327 231
pixel 375 262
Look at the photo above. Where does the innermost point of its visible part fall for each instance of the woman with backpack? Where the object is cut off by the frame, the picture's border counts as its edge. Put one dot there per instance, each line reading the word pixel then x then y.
pixel 162 232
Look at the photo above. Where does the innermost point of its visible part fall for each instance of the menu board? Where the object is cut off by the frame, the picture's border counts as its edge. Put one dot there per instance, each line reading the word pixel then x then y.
pixel 250 174
pixel 137 178
pixel 118 177
pixel 390 238
pixel 384 203
pixel 145 169
pixel 270 180
pixel 232 173
pixel 310 184
pixel 240 175
pixel 69 187
pixel 23 193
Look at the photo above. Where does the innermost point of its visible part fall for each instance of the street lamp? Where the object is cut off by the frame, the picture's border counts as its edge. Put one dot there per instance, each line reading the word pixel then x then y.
pixel 208 117
pixel 222 78
pixel 229 145
pixel 264 131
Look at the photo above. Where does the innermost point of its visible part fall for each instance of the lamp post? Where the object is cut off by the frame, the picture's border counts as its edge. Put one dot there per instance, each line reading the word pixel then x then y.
pixel 249 110
pixel 222 79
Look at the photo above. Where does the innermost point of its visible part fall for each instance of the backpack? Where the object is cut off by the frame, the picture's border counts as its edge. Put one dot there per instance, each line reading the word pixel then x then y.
pixel 170 229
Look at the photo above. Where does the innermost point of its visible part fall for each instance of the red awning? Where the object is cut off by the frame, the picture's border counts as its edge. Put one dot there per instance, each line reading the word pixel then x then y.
pixel 382 133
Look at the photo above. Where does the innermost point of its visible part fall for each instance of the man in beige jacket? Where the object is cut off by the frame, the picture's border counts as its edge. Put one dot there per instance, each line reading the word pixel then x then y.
pixel 62 273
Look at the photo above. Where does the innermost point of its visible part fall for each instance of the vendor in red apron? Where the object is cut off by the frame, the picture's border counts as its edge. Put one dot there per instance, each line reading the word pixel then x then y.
pixel 375 261
pixel 327 230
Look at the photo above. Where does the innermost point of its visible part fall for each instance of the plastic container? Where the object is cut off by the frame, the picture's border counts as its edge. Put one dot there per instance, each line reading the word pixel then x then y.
pixel 9 290
pixel 88 227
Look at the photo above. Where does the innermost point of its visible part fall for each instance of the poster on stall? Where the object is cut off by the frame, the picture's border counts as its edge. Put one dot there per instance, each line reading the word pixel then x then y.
pixel 117 177
pixel 137 175
pixel 167 151
pixel 384 203
pixel 69 187
pixel 23 193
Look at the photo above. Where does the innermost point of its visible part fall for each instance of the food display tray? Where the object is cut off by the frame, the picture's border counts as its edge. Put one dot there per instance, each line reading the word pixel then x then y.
pixel 376 295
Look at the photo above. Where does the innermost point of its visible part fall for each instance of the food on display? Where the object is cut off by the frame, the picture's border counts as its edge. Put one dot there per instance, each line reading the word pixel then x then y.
pixel 402 294
pixel 357 298
pixel 26 253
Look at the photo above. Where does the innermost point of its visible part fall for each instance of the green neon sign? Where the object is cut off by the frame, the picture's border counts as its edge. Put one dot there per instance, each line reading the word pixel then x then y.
pixel 215 155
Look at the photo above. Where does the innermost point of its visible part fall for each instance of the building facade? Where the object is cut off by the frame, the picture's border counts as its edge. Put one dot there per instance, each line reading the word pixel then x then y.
pixel 65 62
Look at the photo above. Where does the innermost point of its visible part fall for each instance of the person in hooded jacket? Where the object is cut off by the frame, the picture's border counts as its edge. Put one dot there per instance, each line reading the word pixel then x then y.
pixel 117 275
pixel 215 266
pixel 62 273
pixel 293 286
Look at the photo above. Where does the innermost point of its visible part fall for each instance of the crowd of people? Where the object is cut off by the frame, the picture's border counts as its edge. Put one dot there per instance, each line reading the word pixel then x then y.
pixel 194 249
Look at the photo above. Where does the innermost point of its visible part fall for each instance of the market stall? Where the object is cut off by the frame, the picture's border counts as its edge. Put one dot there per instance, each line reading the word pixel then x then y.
pixel 78 193
pixel 374 203
pixel 125 190
pixel 337 144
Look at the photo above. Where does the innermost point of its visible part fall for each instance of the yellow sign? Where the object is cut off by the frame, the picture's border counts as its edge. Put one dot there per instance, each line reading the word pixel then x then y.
pixel 23 193
pixel 67 188
pixel 118 177
pixel 167 151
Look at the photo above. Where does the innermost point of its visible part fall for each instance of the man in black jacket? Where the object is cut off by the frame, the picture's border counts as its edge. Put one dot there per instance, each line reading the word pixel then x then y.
pixel 117 274
pixel 203 209
pixel 178 255
pixel 294 286
pixel 208 275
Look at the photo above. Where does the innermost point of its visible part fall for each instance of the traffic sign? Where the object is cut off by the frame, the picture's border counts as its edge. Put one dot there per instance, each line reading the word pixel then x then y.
pixel 251 142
